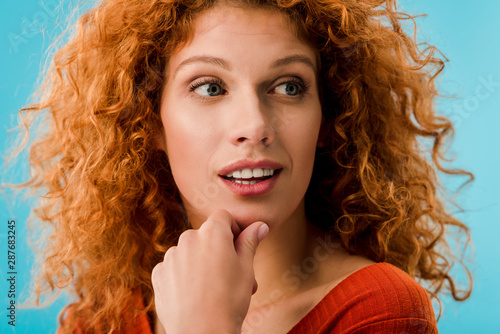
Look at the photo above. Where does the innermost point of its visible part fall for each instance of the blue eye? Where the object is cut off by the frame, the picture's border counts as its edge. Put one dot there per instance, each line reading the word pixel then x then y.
pixel 288 88
pixel 209 89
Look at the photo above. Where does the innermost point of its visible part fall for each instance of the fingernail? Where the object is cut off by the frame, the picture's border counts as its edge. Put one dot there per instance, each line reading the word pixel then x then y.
pixel 262 231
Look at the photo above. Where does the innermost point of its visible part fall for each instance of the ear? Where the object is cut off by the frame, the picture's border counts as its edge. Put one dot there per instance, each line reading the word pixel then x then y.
pixel 160 140
pixel 323 134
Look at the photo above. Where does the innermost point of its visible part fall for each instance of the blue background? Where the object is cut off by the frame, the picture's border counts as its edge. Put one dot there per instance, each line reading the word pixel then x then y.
pixel 467 33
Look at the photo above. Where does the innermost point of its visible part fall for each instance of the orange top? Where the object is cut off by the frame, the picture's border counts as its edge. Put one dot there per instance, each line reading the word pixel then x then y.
pixel 379 298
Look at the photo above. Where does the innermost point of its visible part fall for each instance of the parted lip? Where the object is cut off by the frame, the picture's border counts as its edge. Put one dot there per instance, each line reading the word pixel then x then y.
pixel 242 164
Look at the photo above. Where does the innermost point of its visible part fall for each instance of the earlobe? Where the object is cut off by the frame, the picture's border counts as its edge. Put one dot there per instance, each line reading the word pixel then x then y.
pixel 160 141
pixel 323 134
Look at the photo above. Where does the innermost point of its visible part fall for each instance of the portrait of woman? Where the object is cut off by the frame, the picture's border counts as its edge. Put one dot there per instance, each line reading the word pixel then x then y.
pixel 245 166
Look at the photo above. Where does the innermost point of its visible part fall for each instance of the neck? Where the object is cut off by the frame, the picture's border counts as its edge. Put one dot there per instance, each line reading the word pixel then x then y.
pixel 279 258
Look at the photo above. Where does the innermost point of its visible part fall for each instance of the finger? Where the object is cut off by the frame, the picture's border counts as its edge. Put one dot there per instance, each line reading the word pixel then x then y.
pixel 247 242
pixel 223 218
pixel 156 276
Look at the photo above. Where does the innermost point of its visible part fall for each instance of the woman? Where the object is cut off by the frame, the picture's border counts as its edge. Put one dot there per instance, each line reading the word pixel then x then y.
pixel 244 166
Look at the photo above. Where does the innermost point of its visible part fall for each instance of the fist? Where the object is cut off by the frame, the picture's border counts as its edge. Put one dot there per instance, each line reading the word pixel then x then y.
pixel 205 283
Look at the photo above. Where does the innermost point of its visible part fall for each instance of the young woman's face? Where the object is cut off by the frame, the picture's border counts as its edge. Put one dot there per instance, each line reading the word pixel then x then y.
pixel 241 115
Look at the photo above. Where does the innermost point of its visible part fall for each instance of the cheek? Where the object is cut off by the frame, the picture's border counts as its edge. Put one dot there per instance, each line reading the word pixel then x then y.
pixel 304 129
pixel 189 143
pixel 183 147
pixel 306 143
pixel 185 160
pixel 184 133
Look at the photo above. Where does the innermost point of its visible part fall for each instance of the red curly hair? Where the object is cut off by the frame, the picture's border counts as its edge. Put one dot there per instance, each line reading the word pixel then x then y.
pixel 110 197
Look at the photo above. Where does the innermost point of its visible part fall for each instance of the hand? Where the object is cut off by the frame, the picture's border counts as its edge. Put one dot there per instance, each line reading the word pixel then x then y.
pixel 205 283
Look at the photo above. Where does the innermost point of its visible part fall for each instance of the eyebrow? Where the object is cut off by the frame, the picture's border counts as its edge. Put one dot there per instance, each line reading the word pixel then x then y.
pixel 225 65
pixel 294 59
pixel 204 59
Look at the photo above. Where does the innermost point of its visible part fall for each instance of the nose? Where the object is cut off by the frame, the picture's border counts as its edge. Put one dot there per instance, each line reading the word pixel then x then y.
pixel 252 124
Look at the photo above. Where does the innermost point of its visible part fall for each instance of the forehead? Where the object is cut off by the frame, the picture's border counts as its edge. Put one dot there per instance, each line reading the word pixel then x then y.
pixel 227 29
pixel 238 19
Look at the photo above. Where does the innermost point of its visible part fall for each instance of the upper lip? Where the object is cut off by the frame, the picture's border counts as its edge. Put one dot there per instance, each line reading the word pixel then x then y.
pixel 242 164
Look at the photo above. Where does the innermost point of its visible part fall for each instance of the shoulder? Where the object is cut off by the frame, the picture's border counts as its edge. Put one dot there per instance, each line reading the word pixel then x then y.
pixel 378 298
pixel 384 279
pixel 383 298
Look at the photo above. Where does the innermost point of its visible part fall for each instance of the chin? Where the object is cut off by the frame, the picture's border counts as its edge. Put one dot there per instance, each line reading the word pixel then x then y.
pixel 246 216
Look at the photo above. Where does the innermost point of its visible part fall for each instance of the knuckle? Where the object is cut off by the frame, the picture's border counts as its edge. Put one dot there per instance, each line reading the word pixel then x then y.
pixel 155 274
pixel 169 253
pixel 218 217
pixel 251 244
pixel 218 223
pixel 186 237
pixel 171 250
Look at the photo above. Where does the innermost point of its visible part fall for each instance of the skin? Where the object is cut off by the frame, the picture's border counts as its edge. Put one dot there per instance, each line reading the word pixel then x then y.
pixel 207 282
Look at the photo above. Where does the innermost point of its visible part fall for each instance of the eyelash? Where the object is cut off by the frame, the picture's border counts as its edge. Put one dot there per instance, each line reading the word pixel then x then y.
pixel 304 87
pixel 204 81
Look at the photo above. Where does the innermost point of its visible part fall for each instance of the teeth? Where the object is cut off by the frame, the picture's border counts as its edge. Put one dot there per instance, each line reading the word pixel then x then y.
pixel 248 173
pixel 245 182
pixel 258 172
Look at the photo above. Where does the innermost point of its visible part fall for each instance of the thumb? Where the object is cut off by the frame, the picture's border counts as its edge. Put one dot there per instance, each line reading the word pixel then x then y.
pixel 247 242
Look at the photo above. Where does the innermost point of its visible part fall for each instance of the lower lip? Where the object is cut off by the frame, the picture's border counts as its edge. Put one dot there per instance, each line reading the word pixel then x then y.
pixel 258 188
